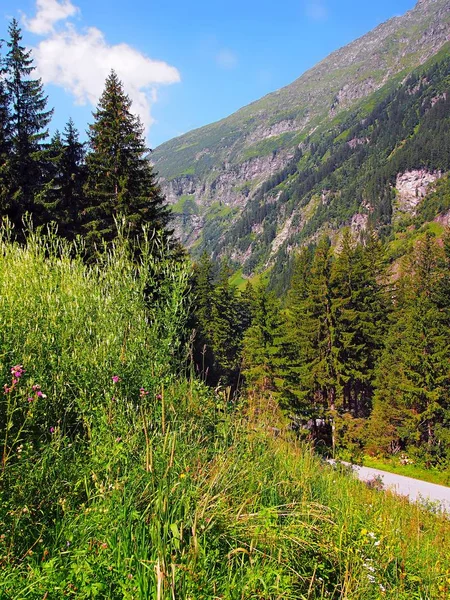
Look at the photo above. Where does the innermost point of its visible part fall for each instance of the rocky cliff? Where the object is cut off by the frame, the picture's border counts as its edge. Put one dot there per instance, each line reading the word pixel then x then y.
pixel 218 176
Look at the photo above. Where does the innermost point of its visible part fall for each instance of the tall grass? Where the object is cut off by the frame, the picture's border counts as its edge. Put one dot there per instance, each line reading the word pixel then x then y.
pixel 132 480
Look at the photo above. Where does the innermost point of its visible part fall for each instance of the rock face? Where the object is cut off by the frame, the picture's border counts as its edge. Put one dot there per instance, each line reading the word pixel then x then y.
pixel 412 187
pixel 228 162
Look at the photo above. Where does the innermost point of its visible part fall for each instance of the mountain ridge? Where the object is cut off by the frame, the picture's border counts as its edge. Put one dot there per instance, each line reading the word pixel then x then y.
pixel 211 174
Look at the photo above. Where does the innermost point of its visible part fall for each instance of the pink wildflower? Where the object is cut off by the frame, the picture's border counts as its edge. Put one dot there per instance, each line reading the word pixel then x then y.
pixel 115 379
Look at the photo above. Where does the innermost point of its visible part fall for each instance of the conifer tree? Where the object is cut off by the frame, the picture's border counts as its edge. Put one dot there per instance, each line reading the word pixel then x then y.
pixel 412 394
pixel 309 343
pixel 5 141
pixel 227 329
pixel 120 179
pixel 260 342
pixel 28 123
pixel 359 314
pixel 203 293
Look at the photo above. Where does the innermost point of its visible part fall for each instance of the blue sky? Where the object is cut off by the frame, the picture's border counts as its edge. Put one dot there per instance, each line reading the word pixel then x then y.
pixel 185 63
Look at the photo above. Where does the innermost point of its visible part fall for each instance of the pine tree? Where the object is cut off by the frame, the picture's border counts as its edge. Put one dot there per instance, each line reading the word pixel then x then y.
pixel 413 384
pixel 359 314
pixel 120 179
pixel 226 329
pixel 28 122
pixel 5 141
pixel 309 347
pixel 73 175
pixel 203 294
pixel 260 342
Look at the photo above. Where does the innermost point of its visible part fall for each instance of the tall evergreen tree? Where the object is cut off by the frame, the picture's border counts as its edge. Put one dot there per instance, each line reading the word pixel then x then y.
pixel 5 140
pixel 359 313
pixel 260 342
pixel 203 292
pixel 28 121
pixel 412 396
pixel 120 179
pixel 311 376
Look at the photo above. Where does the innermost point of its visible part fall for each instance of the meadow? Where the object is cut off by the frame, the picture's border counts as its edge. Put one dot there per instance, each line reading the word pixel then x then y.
pixel 124 477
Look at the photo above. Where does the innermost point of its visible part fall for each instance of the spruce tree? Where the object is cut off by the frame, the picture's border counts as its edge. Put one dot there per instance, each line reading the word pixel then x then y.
pixel 359 314
pixel 73 176
pixel 309 346
pixel 5 141
pixel 260 342
pixel 203 294
pixel 28 123
pixel 120 180
pixel 413 382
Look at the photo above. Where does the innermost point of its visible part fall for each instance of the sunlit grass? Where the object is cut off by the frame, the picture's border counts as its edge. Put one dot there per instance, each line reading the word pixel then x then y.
pixel 130 479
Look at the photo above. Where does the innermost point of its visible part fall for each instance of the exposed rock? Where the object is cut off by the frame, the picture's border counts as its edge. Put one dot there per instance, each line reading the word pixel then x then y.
pixel 359 223
pixel 444 219
pixel 412 187
pixel 355 142
pixel 282 236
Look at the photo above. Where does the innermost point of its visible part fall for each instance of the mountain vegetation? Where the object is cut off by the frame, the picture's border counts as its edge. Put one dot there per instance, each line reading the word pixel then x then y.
pixel 161 430
pixel 320 154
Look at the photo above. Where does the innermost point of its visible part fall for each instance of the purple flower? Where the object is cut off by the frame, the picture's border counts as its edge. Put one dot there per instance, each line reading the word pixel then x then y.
pixel 7 389
pixel 36 388
pixel 143 392
pixel 115 379
pixel 17 371
pixel 52 430
pixel 30 399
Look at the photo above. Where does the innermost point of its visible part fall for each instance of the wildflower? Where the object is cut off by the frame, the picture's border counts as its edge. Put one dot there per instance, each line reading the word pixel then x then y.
pixel 52 430
pixel 115 379
pixel 159 396
pixel 36 388
pixel 39 394
pixel 118 439
pixel 130 576
pixel 30 399
pixel 7 389
pixel 143 392
pixel 17 371
pixel 68 544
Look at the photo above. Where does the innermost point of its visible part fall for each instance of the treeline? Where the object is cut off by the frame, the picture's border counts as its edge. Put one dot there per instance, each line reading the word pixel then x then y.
pixel 83 188
pixel 358 354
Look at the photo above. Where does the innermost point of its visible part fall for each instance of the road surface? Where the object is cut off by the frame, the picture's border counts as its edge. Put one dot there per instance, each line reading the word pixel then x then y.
pixel 415 489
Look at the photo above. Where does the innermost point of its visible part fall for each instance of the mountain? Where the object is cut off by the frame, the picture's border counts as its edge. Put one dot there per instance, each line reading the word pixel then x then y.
pixel 326 151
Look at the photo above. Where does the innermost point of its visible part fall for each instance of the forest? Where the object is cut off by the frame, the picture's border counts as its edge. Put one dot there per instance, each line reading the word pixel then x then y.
pixel 356 351
pixel 161 431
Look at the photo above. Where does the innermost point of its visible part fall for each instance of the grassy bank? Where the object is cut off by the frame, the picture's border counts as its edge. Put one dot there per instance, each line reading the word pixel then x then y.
pixel 408 470
pixel 124 477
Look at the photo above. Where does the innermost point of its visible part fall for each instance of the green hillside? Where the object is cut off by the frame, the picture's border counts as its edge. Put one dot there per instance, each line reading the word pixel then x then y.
pixel 320 151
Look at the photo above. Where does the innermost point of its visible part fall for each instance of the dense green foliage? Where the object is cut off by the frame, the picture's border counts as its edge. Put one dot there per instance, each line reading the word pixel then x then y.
pixel 345 166
pixel 83 193
pixel 123 474
pixel 123 478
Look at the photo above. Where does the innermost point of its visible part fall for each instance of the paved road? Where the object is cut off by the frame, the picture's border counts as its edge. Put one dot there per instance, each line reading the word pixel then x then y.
pixel 414 489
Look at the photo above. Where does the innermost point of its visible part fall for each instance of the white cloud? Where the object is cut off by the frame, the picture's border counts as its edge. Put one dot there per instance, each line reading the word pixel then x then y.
pixel 80 61
pixel 316 10
pixel 48 13
pixel 226 59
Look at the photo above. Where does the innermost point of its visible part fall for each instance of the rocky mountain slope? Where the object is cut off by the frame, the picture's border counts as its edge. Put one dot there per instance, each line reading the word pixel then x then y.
pixel 315 153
